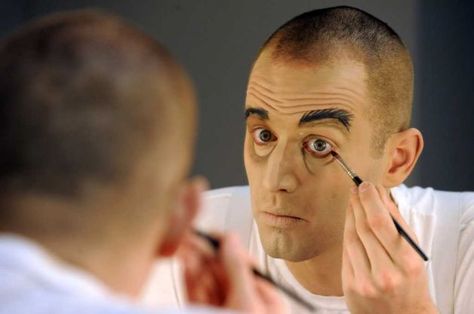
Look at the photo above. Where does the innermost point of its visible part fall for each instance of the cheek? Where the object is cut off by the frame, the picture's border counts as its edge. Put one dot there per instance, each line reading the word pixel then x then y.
pixel 329 188
pixel 253 163
pixel 254 151
pixel 262 150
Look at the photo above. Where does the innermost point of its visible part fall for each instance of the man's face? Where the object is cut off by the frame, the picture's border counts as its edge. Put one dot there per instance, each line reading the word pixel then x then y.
pixel 297 114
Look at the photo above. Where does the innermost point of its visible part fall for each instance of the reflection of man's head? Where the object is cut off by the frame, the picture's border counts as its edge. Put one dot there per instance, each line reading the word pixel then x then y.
pixel 332 79
pixel 90 109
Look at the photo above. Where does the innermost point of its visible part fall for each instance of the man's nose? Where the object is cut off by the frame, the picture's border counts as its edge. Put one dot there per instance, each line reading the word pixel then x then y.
pixel 280 173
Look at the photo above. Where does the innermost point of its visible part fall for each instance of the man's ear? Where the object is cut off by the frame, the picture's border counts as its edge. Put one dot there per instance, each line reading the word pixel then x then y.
pixel 403 149
pixel 188 203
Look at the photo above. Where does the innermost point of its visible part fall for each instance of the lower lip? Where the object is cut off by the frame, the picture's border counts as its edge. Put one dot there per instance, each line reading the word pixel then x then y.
pixel 280 221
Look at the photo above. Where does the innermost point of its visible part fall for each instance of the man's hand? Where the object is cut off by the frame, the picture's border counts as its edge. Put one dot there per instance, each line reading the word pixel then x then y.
pixel 381 273
pixel 225 279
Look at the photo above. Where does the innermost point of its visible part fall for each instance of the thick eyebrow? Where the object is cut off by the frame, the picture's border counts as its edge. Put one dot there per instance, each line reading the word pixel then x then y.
pixel 342 116
pixel 259 112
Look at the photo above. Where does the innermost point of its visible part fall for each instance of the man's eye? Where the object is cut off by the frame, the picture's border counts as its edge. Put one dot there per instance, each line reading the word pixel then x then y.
pixel 262 136
pixel 318 147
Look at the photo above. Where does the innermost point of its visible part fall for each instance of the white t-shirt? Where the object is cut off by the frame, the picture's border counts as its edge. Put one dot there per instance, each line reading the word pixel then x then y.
pixel 442 221
pixel 34 282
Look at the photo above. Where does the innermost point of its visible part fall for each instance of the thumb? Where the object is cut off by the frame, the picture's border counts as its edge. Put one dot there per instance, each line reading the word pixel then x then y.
pixel 242 289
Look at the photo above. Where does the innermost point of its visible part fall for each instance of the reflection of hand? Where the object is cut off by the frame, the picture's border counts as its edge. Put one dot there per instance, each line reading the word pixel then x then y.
pixel 225 279
pixel 381 273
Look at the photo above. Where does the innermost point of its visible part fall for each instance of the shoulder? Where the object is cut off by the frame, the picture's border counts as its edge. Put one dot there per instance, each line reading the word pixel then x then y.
pixel 41 302
pixel 437 217
pixel 467 203
pixel 436 202
pixel 38 300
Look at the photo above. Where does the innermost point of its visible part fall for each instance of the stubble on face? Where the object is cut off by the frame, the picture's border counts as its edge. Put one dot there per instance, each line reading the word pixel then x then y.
pixel 300 210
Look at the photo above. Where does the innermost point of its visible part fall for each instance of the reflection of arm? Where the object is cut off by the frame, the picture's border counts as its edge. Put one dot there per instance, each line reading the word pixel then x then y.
pixel 464 283
pixel 165 286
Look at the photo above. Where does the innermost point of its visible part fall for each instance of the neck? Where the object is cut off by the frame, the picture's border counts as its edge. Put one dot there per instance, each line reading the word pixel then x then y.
pixel 120 260
pixel 321 274
pixel 111 263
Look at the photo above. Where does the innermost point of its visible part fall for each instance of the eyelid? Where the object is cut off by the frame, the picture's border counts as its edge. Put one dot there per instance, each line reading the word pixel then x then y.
pixel 259 125
pixel 253 125
pixel 319 155
pixel 313 136
pixel 257 142
pixel 334 133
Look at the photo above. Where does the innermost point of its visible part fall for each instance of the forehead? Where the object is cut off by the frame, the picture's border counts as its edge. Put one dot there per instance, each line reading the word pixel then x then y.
pixel 291 88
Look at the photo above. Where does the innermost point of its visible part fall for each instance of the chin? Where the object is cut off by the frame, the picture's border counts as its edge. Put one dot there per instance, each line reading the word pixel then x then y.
pixel 287 245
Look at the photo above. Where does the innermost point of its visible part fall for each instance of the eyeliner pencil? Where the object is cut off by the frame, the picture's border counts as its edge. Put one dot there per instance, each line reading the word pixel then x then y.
pixel 358 181
pixel 215 243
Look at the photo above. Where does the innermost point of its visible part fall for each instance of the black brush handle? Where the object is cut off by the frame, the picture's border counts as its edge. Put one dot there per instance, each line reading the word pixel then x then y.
pixel 410 241
pixel 358 181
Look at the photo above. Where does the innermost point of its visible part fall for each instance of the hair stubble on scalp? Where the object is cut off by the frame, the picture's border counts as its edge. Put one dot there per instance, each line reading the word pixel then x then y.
pixel 83 96
pixel 326 35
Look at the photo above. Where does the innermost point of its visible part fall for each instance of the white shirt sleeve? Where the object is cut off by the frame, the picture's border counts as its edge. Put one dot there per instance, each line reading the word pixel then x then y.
pixel 464 282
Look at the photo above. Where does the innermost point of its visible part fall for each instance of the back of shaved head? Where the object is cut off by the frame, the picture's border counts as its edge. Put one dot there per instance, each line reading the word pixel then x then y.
pixel 325 36
pixel 97 126
pixel 83 96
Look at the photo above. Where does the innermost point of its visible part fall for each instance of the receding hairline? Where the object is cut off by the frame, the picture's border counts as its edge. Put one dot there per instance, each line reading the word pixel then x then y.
pixel 387 61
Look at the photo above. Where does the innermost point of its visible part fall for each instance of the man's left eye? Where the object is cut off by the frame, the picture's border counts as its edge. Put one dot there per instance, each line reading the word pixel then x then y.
pixel 318 147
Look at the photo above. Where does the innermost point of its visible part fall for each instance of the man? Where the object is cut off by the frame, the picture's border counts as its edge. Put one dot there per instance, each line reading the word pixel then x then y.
pixel 341 80
pixel 97 126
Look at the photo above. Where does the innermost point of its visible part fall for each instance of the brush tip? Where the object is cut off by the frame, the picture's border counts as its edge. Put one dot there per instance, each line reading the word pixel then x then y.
pixel 334 154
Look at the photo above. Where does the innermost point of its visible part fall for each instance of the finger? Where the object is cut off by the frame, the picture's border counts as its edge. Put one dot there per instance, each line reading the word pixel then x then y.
pixel 241 280
pixel 195 285
pixel 385 273
pixel 272 300
pixel 205 280
pixel 201 276
pixel 403 255
pixel 347 270
pixel 379 258
pixel 378 218
pixel 354 248
pixel 201 290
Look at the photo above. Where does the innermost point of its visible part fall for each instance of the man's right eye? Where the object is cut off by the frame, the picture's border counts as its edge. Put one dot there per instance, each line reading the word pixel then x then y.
pixel 262 136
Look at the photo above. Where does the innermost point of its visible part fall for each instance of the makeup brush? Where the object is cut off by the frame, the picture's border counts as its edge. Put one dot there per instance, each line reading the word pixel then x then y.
pixel 358 181
pixel 215 243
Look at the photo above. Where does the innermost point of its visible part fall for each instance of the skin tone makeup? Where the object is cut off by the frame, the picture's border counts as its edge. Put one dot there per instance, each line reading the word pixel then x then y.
pixel 295 115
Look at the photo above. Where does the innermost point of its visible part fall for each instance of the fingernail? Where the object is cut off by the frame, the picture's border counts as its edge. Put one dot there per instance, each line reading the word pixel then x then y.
pixel 364 186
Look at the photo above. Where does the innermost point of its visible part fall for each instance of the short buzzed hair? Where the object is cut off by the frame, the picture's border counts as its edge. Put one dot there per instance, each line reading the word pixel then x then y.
pixel 325 35
pixel 83 95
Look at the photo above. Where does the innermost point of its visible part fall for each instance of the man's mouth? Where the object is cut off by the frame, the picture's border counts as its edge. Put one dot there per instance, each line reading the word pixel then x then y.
pixel 280 220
